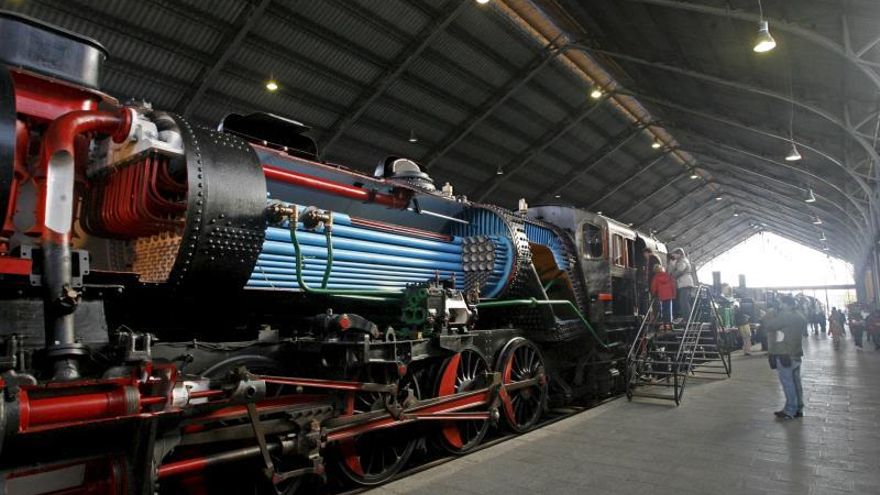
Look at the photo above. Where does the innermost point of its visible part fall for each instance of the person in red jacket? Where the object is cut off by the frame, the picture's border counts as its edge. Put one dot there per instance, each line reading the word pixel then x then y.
pixel 663 290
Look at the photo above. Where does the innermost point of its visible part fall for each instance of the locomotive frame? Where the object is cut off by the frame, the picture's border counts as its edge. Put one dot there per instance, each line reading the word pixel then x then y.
pixel 176 299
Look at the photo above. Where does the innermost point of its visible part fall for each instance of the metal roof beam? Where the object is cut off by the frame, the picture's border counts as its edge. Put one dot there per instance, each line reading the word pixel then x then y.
pixel 622 184
pixel 710 159
pixel 538 147
pixel 806 234
pixel 591 162
pixel 392 73
pixel 245 21
pixel 779 25
pixel 753 128
pixel 746 87
pixel 800 170
pixel 730 239
pixel 672 180
pixel 679 221
pixel 808 239
pixel 726 239
pixel 683 197
pixel 711 231
pixel 781 198
pixel 548 53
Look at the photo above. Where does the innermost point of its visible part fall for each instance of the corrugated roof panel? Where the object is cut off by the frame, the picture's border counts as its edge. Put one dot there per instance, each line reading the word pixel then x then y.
pixel 428 72
pixel 435 110
pixel 318 51
pixel 408 19
pixel 477 63
pixel 163 22
pixel 226 10
pixel 292 79
pixel 482 23
pixel 349 29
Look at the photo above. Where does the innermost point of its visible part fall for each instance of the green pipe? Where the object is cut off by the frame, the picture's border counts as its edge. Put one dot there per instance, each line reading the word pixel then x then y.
pixel 367 295
pixel 545 302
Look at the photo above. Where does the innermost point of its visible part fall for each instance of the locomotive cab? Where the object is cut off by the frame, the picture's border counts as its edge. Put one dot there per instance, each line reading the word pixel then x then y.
pixel 610 256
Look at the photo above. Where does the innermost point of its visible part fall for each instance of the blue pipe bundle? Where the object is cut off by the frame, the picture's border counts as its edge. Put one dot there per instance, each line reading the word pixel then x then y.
pixel 366 259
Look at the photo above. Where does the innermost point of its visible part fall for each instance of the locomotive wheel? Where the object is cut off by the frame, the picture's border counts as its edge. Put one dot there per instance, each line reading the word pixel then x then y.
pixel 463 372
pixel 373 458
pixel 521 360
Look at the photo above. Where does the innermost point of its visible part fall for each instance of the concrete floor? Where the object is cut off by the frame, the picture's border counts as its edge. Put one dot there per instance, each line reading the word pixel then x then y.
pixel 723 439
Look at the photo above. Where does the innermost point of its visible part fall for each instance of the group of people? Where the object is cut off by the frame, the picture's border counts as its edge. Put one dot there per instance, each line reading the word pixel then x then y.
pixel 671 286
pixel 861 322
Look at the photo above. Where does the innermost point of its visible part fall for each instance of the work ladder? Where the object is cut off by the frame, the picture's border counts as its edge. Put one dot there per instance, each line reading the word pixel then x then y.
pixel 661 359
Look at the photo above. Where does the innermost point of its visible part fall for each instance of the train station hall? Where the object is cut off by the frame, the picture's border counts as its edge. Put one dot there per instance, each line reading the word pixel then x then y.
pixel 436 247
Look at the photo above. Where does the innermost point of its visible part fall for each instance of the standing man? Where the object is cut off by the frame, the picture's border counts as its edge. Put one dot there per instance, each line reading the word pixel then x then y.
pixel 784 334
pixel 651 261
pixel 872 326
pixel 741 320
pixel 857 324
pixel 681 271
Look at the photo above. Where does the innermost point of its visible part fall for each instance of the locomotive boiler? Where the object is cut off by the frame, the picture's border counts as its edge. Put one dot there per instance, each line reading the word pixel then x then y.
pixel 176 299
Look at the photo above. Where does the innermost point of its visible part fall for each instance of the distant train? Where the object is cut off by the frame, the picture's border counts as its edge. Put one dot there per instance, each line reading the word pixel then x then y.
pixel 175 300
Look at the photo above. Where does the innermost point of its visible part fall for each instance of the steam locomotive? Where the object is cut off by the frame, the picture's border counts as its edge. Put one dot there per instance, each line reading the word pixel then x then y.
pixel 180 303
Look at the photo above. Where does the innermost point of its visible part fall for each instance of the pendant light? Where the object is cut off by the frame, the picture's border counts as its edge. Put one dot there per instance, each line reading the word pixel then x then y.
pixel 412 136
pixel 793 155
pixel 764 42
pixel 811 198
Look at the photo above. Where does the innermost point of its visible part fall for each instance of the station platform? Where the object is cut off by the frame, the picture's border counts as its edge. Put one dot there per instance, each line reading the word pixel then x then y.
pixel 723 439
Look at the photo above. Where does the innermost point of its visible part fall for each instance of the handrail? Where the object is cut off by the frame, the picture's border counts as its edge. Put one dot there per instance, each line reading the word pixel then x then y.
pixel 644 323
pixel 687 327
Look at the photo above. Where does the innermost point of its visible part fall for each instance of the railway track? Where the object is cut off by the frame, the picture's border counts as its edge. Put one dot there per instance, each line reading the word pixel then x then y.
pixel 433 458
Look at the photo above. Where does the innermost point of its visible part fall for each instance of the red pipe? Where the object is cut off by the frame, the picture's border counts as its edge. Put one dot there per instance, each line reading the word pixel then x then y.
pixel 65 409
pixel 332 187
pixel 61 135
pixel 182 467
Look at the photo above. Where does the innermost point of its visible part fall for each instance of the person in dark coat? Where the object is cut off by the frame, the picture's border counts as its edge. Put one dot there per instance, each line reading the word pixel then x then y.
pixel 741 320
pixel 785 332
pixel 651 261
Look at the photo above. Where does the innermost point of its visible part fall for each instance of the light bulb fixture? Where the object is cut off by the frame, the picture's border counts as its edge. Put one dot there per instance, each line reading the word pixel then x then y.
pixel 826 248
pixel 718 198
pixel 764 42
pixel 598 213
pixel 817 221
pixel 482 2
pixel 272 85
pixel 735 213
pixel 596 93
pixel 412 137
pixel 811 198
pixel 500 171
pixel 557 196
pixel 694 175
pixel 656 144
pixel 823 238
pixel 793 155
